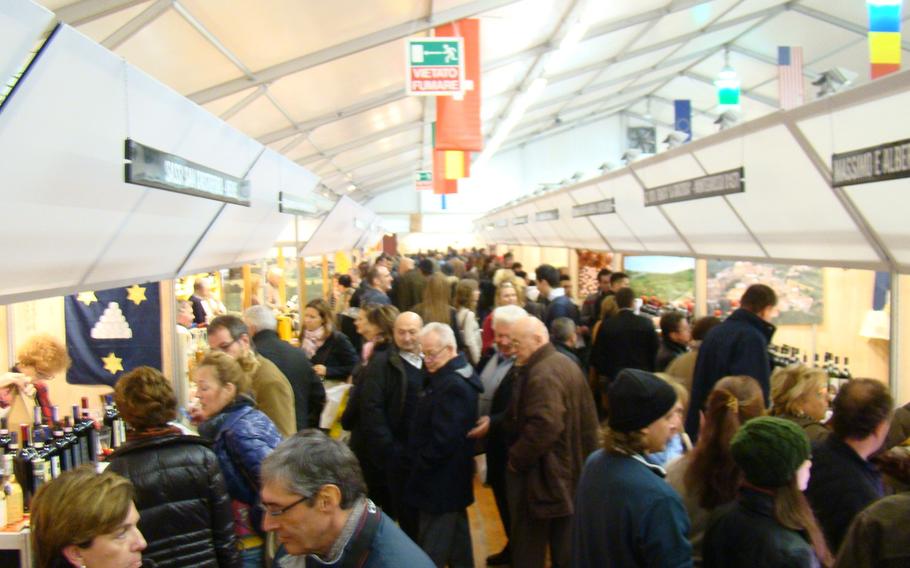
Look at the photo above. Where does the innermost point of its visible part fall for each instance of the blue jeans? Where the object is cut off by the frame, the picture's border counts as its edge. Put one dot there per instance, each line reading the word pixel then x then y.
pixel 251 557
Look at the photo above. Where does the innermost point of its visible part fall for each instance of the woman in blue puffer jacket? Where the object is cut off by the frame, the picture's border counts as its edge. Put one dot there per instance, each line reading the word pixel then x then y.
pixel 242 437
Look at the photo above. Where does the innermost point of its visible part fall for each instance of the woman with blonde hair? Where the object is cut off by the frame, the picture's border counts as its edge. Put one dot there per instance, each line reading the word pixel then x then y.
pixel 83 519
pixel 800 394
pixel 241 437
pixel 466 295
pixel 180 490
pixel 38 360
pixel 707 477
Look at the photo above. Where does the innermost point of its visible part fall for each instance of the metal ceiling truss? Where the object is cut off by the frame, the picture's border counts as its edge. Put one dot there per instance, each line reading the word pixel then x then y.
pixel 356 45
pixel 132 27
pixel 393 153
pixel 858 29
pixel 86 11
pixel 358 142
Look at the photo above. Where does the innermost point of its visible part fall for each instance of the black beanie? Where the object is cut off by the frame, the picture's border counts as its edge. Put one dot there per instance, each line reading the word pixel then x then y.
pixel 638 398
pixel 769 450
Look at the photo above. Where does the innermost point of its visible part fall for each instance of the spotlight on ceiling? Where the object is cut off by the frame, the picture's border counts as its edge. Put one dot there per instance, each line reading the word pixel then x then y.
pixel 676 138
pixel 630 155
pixel 833 81
pixel 727 119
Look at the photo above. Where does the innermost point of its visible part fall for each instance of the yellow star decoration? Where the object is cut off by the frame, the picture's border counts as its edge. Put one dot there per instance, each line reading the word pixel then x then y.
pixel 86 298
pixel 112 363
pixel 135 294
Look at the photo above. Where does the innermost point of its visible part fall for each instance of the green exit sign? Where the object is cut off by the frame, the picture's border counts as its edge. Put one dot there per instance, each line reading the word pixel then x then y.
pixel 435 66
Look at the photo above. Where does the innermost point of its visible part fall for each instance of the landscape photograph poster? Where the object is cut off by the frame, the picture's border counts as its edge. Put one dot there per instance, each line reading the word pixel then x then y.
pixel 800 289
pixel 670 279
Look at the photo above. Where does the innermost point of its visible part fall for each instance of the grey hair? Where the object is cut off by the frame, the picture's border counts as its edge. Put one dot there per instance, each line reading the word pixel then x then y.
pixel 309 460
pixel 442 331
pixel 562 329
pixel 508 314
pixel 260 317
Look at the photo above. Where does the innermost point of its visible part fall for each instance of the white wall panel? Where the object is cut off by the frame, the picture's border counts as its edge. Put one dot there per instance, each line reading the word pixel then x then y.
pixel 338 230
pixel 651 228
pixel 21 24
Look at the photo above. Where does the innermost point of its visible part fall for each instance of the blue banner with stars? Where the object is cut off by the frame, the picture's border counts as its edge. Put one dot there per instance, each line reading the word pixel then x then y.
pixel 109 332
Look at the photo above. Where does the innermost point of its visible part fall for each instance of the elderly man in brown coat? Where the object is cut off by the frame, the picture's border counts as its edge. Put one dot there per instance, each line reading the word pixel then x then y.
pixel 553 424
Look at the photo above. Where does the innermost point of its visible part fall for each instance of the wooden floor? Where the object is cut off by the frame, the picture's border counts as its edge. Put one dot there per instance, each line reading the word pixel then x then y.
pixel 487 534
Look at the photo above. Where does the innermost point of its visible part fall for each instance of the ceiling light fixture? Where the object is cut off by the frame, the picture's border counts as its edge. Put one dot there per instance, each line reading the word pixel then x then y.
pixel 728 85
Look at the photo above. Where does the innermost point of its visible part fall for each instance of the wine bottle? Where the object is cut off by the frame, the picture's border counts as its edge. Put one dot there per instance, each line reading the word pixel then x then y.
pixel 51 455
pixel 24 465
pixel 15 504
pixel 847 374
pixel 113 421
pixel 37 427
pixel 80 430
pixel 63 452
pixel 94 439
pixel 72 444
pixel 5 437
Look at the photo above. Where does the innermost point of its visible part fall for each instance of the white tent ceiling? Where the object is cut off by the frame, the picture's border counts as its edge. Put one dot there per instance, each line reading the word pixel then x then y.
pixel 323 82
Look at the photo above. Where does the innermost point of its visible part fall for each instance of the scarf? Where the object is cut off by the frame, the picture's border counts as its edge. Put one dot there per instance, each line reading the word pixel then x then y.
pixel 133 435
pixel 366 351
pixel 312 341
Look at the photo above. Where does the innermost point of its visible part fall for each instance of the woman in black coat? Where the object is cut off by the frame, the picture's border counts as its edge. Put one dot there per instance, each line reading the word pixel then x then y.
pixel 184 507
pixel 330 351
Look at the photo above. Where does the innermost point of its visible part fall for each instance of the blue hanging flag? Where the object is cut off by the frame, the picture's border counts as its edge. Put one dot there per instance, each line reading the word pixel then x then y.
pixel 881 289
pixel 443 201
pixel 109 332
pixel 683 120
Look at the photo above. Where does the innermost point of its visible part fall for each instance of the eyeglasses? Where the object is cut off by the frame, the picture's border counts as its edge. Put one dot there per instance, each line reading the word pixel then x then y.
pixel 225 346
pixel 431 355
pixel 283 510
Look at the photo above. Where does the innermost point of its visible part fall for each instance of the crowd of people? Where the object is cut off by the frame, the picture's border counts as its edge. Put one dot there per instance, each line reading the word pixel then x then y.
pixel 605 441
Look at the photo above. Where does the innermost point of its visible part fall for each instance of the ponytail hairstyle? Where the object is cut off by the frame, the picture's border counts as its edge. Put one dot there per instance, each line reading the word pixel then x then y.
pixel 712 476
pixel 792 510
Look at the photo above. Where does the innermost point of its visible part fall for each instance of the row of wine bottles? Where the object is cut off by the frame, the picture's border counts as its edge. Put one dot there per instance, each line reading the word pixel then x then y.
pixel 786 355
pixel 47 448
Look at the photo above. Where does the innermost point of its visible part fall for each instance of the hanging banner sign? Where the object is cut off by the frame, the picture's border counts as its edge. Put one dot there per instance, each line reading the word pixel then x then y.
pixel 423 180
pixel 436 66
pixel 877 163
pixel 522 220
pixel 602 207
pixel 154 168
pixel 723 183
pixel 549 215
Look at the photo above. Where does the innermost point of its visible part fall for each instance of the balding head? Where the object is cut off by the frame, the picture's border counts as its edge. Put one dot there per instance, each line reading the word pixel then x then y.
pixel 405 265
pixel 528 335
pixel 407 332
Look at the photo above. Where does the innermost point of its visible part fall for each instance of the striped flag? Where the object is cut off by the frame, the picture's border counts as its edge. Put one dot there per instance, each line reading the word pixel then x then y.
pixel 884 36
pixel 790 76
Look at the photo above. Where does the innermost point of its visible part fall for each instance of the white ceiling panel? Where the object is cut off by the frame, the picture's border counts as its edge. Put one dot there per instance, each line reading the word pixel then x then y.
pixel 384 145
pixel 876 201
pixel 219 106
pixel 319 90
pixel 711 226
pixel 519 26
pixel 103 27
pixel 505 79
pixel 712 39
pixel 685 21
pixel 635 64
pixel 750 7
pixel 595 50
pixel 650 227
pixel 792 28
pixel 364 124
pixel 167 61
pixel 745 67
pixel 617 232
pixel 259 117
pixel 293 27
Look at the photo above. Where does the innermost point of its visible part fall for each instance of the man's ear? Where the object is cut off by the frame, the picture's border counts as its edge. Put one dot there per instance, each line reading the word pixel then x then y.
pixel 73 554
pixel 328 498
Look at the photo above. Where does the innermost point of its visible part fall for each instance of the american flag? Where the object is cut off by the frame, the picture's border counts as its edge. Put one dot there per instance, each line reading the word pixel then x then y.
pixel 790 76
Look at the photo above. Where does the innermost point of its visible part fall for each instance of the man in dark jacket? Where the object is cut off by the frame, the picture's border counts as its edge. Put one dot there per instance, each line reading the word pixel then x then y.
pixel 590 308
pixel 843 482
pixel 879 536
pixel 497 376
pixel 441 486
pixel 626 514
pixel 738 346
pixel 553 425
pixel 387 402
pixel 558 304
pixel 309 393
pixel 379 281
pixel 625 341
pixel 674 338
pixel 315 502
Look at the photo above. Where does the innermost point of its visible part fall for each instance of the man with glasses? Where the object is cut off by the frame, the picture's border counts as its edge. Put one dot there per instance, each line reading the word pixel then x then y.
pixel 314 500
pixel 271 389
pixel 440 486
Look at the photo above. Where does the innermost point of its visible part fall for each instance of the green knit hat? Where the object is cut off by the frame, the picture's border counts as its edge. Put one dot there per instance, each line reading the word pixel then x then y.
pixel 769 450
